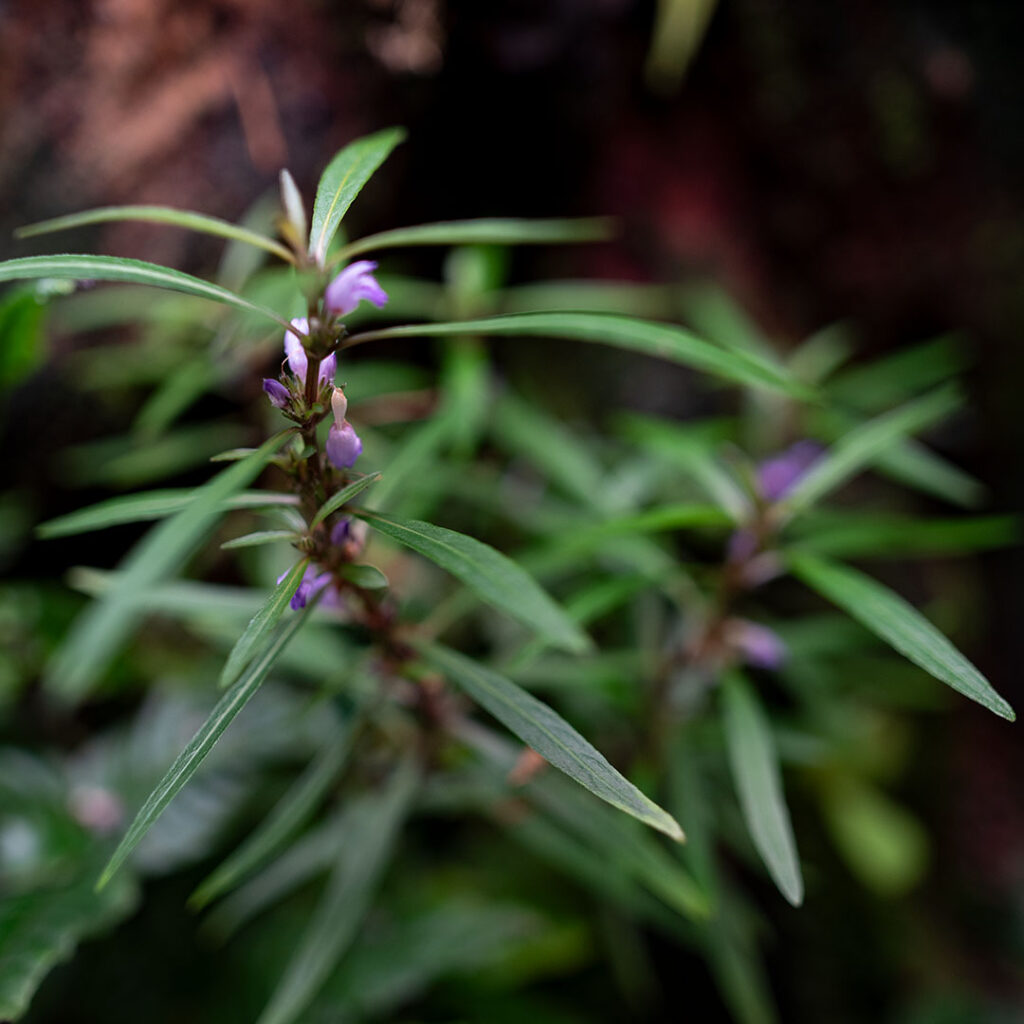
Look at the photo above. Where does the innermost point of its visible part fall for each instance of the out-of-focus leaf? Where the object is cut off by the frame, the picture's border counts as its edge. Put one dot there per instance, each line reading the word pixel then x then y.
pixel 258 539
pixel 897 377
pixel 884 845
pixel 41 927
pixel 489 574
pixel 189 760
pixel 22 341
pixel 692 447
pixel 550 736
pixel 755 770
pixel 859 536
pixel 660 341
pixel 111 268
pixel 899 624
pixel 290 813
pixel 342 180
pixel 911 463
pixel 712 312
pixel 174 396
pixel 347 493
pixel 158 215
pixel 862 445
pixel 97 633
pixel 137 508
pixel 127 461
pixel 561 457
pixel 374 823
pixel 262 623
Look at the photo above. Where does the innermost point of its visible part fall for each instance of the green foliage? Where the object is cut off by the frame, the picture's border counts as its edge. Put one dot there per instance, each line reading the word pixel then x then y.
pixel 371 847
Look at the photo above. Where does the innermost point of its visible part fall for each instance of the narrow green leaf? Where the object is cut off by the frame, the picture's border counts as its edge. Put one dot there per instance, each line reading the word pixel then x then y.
pixel 257 539
pixel 347 493
pixel 158 215
pixel 859 536
pixel 755 771
pixel 290 813
pixel 262 623
pixel 111 268
pixel 104 625
pixel 489 231
pixel 862 446
pixel 342 181
pixel 489 574
pixel 138 508
pixel 189 760
pixel 661 341
pixel 550 736
pixel 374 823
pixel 899 624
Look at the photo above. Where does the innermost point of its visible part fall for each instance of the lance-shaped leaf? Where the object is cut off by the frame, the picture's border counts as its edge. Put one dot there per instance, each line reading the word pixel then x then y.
pixel 290 813
pixel 486 231
pixel 335 501
pixel 899 624
pixel 549 735
pixel 260 625
pixel 158 215
pixel 661 341
pixel 488 573
pixel 189 760
pixel 755 771
pixel 373 825
pixel 342 181
pixel 862 445
pixel 138 508
pixel 258 539
pixel 112 268
pixel 97 633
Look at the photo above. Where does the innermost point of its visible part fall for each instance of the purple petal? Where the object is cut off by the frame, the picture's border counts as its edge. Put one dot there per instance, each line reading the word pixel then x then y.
pixel 312 583
pixel 300 597
pixel 343 445
pixel 760 646
pixel 276 392
pixel 777 476
pixel 294 349
pixel 341 530
pixel 328 368
pixel 355 283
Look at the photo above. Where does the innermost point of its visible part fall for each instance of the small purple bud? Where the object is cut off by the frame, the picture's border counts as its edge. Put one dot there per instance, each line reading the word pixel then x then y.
pixel 355 283
pixel 760 646
pixel 777 476
pixel 311 585
pixel 276 392
pixel 341 530
pixel 343 445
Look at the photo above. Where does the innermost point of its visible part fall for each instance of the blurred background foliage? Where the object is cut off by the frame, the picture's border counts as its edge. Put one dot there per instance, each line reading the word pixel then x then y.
pixel 834 185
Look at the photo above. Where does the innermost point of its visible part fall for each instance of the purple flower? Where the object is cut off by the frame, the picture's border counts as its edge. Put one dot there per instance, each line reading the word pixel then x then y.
pixel 298 361
pixel 777 476
pixel 343 445
pixel 760 646
pixel 312 583
pixel 355 283
pixel 276 392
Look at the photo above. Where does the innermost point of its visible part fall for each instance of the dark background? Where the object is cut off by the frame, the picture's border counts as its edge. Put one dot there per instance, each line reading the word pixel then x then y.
pixel 854 160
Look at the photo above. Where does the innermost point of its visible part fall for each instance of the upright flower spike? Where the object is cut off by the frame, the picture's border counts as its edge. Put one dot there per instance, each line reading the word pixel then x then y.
pixel 343 443
pixel 355 283
pixel 298 361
